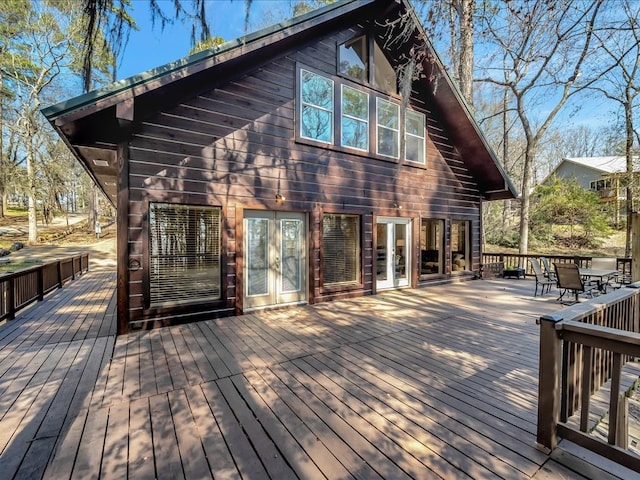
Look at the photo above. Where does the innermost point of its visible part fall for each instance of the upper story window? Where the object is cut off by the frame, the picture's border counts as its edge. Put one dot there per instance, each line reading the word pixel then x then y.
pixel 384 76
pixel 355 118
pixel 414 128
pixel 361 120
pixel 388 118
pixel 355 62
pixel 317 107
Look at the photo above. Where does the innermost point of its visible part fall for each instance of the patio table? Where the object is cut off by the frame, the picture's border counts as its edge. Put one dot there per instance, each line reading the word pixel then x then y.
pixel 602 276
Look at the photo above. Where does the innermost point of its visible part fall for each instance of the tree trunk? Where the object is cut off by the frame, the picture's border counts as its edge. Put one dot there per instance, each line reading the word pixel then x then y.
pixel 525 198
pixel 628 122
pixel 465 72
pixel 31 179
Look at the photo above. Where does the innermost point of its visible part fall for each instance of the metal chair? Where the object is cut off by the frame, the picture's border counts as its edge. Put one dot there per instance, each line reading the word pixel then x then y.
pixel 541 279
pixel 550 274
pixel 570 280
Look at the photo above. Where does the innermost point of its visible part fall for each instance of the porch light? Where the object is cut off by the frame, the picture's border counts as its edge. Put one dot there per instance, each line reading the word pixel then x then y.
pixel 280 198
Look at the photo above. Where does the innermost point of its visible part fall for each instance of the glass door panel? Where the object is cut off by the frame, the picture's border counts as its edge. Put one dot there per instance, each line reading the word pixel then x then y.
pixel 257 253
pixel 382 252
pixel 275 253
pixel 393 249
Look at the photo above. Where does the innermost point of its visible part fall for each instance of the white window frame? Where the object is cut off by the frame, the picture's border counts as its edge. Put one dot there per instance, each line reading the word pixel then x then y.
pixel 413 136
pixel 351 117
pixel 379 100
pixel 317 107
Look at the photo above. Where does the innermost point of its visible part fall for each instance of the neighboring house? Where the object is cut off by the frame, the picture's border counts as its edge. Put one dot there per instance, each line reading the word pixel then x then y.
pixel 286 168
pixel 602 175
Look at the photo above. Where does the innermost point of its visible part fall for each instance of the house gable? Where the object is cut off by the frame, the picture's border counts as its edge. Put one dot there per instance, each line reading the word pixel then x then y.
pixel 93 124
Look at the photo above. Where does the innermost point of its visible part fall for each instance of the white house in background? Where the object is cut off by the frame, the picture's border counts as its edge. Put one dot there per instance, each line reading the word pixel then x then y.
pixel 599 174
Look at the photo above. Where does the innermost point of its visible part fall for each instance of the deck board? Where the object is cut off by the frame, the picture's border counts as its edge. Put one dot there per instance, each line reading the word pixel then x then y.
pixel 438 382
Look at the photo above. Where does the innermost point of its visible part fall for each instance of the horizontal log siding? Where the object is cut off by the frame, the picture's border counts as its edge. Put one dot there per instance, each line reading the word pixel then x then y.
pixel 234 146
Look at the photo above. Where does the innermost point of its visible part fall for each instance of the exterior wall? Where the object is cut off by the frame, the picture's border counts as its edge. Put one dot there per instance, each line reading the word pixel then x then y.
pixel 235 146
pixel 583 175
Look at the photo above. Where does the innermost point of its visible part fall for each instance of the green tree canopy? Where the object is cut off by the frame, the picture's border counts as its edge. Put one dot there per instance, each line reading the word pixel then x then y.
pixel 566 213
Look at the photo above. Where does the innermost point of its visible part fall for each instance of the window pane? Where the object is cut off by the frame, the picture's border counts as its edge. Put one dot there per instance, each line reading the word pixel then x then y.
pixel 257 256
pixel 340 249
pixel 317 124
pixel 388 142
pixel 414 149
pixel 353 59
pixel 355 134
pixel 355 118
pixel 415 123
pixel 184 258
pixel 317 107
pixel 317 90
pixel 290 233
pixel 388 114
pixel 384 76
pixel 355 103
pixel 460 258
pixel 431 241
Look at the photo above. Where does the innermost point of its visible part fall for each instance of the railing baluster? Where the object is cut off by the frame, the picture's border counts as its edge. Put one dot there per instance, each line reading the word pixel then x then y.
pixel 585 394
pixel 614 400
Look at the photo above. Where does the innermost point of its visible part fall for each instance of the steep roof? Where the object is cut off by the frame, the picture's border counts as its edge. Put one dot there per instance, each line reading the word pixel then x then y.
pixel 93 124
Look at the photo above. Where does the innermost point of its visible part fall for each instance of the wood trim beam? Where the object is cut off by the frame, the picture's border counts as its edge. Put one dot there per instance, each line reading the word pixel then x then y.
pixel 122 252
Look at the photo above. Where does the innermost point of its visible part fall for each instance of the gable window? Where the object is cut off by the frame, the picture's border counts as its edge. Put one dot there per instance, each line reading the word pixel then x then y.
pixel 414 128
pixel 355 118
pixel 184 254
pixel 317 107
pixel 353 60
pixel 340 249
pixel 384 76
pixel 388 132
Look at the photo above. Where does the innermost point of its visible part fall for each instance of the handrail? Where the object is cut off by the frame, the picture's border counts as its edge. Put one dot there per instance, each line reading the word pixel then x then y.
pixel 581 349
pixel 21 288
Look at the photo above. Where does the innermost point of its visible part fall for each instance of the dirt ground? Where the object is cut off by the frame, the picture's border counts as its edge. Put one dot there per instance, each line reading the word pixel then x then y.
pixel 64 237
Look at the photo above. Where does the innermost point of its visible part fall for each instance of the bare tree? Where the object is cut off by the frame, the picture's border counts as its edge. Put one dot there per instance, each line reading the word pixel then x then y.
pixel 545 46
pixel 621 84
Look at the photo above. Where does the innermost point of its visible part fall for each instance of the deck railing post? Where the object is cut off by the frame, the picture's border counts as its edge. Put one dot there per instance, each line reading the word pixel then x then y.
pixel 41 283
pixel 549 394
pixel 11 298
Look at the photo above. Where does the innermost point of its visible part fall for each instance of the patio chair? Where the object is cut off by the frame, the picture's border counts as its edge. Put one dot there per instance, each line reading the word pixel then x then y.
pixel 541 279
pixel 550 274
pixel 570 280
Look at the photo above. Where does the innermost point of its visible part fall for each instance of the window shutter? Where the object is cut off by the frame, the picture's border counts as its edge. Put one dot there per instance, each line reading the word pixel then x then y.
pixel 184 254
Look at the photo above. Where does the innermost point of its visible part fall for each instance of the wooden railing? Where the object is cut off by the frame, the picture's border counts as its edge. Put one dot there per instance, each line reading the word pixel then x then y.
pixel 623 265
pixel 582 348
pixel 19 289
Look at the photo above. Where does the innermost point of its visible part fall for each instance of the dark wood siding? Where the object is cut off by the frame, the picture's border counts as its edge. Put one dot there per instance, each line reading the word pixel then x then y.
pixel 234 146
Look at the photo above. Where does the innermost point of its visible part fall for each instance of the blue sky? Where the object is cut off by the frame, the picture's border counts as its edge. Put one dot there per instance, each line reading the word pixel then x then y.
pixel 152 47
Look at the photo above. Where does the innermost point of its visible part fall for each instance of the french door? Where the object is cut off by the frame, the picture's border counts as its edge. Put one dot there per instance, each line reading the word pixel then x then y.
pixel 275 262
pixel 393 252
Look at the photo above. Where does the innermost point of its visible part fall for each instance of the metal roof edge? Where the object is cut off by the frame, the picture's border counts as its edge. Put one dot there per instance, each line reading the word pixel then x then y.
pixel 54 111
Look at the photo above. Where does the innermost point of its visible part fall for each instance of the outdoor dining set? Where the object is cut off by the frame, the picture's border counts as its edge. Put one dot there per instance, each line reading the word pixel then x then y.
pixel 570 278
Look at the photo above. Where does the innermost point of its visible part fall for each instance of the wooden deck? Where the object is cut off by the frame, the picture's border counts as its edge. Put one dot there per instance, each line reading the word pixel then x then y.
pixel 432 383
